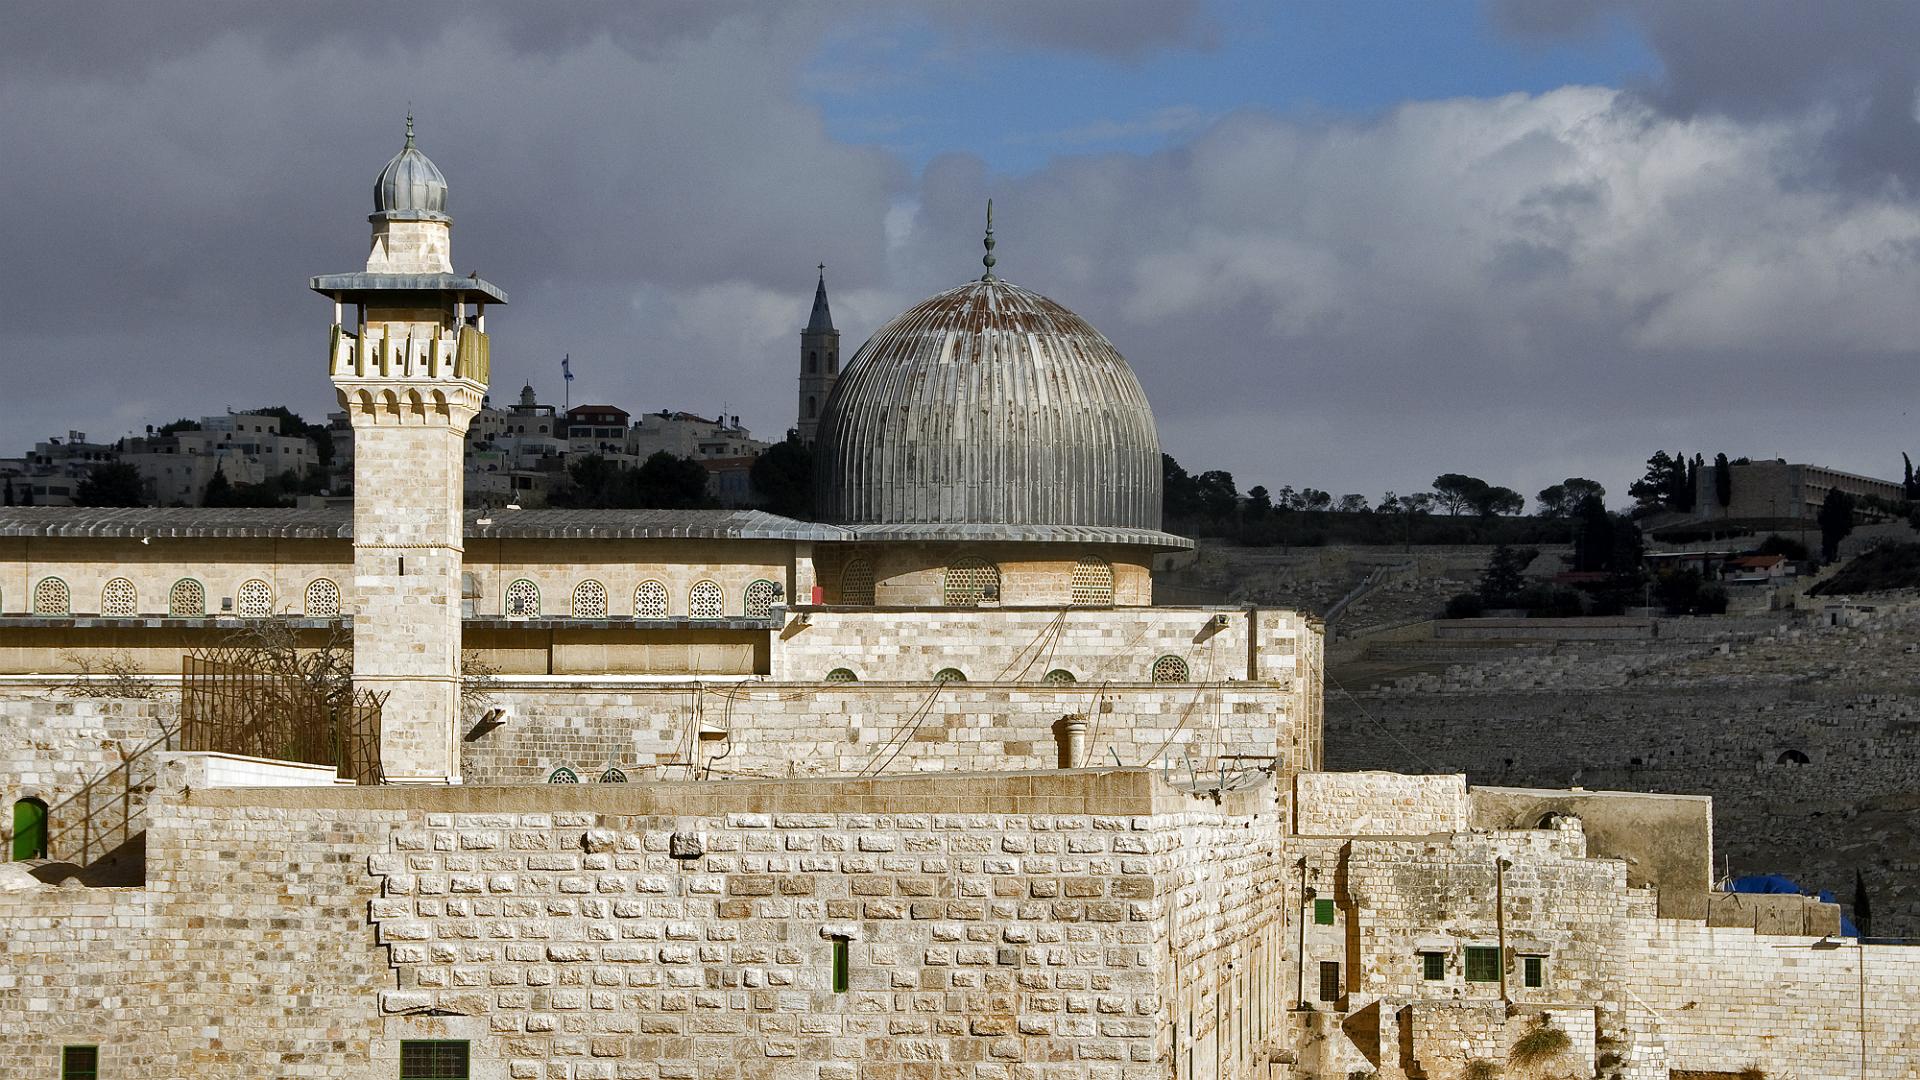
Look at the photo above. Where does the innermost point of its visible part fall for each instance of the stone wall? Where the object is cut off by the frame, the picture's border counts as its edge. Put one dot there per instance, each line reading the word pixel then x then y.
pixel 760 728
pixel 673 931
pixel 1379 804
pixel 67 751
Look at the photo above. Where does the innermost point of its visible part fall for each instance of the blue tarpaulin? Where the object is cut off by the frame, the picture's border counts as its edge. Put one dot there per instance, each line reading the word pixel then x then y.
pixel 1776 884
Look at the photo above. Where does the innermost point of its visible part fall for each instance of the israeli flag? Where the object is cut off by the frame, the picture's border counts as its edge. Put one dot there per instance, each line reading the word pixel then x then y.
pixel 566 368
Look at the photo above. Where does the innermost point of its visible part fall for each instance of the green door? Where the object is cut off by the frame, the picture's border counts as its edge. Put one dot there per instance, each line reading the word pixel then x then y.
pixel 29 829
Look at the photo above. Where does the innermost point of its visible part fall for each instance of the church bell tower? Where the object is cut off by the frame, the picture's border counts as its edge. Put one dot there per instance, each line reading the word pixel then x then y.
pixel 409 362
pixel 819 361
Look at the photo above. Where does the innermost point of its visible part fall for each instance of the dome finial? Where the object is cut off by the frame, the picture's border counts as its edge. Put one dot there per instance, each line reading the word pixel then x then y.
pixel 988 260
pixel 409 125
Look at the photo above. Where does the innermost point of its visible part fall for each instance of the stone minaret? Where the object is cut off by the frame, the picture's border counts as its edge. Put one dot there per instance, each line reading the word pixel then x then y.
pixel 819 360
pixel 410 370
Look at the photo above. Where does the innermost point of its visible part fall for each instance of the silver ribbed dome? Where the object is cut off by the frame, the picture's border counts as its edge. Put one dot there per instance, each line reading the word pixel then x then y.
pixel 410 188
pixel 989 405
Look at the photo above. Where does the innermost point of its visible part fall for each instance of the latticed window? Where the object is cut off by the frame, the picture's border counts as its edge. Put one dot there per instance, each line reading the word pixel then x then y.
pixel 841 674
pixel 187 599
pixel 1483 963
pixel 119 598
pixel 971 582
pixel 856 582
pixel 949 674
pixel 255 599
pixel 760 597
pixel 589 600
pixel 705 600
pixel 523 600
pixel 613 776
pixel 563 775
pixel 433 1059
pixel 323 598
pixel 1093 582
pixel 650 600
pixel 52 597
pixel 79 1063
pixel 1170 669
pixel 1059 677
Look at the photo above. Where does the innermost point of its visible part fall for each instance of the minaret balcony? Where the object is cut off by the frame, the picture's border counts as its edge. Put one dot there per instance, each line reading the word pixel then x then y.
pixel 377 353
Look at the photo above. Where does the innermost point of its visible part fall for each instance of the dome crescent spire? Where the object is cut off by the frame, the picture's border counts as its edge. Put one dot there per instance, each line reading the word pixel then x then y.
pixel 988 260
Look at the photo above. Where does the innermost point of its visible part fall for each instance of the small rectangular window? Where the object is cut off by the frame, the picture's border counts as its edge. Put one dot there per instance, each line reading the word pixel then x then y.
pixel 1323 913
pixel 1433 966
pixel 79 1063
pixel 1329 981
pixel 433 1059
pixel 1483 963
pixel 840 972
pixel 1536 970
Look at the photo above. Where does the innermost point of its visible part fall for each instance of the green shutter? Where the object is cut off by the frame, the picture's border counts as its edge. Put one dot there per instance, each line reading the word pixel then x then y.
pixel 29 829
pixel 841 977
pixel 1323 912
pixel 1433 966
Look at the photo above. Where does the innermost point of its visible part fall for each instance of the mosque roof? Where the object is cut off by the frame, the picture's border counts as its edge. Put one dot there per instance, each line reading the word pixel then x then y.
pixel 989 411
pixel 411 187
pixel 336 523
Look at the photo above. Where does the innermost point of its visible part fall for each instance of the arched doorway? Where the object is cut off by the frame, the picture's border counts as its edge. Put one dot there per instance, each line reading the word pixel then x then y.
pixel 29 829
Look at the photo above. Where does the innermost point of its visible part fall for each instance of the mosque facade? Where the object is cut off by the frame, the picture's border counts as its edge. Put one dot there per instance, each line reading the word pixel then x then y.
pixel 930 788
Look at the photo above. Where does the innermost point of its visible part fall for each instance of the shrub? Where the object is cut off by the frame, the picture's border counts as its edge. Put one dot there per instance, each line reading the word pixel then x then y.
pixel 1465 606
pixel 1541 1042
pixel 1480 1069
pixel 1753 1072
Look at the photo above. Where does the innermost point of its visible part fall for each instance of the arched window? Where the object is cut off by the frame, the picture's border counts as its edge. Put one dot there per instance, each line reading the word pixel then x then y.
pixel 705 600
pixel 650 600
pixel 856 582
pixel 813 362
pixel 1170 669
pixel 760 597
pixel 841 674
pixel 1093 582
pixel 52 597
pixel 323 599
pixel 563 775
pixel 118 597
pixel 1059 677
pixel 187 599
pixel 589 600
pixel 613 776
pixel 255 599
pixel 29 829
pixel 833 363
pixel 1792 757
pixel 811 407
pixel 970 582
pixel 949 674
pixel 522 600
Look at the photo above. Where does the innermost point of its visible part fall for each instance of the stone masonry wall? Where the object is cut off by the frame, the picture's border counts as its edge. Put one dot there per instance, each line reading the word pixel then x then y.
pixel 665 932
pixel 55 745
pixel 781 729
pixel 1380 804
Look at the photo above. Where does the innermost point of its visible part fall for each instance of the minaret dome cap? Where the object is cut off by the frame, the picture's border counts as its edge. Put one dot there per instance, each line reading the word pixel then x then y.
pixel 411 187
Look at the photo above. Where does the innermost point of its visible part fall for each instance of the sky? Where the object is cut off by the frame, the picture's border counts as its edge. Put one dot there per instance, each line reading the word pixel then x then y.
pixel 1346 246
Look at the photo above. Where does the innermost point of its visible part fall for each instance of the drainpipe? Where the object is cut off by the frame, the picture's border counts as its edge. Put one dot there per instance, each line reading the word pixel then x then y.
pixel 1500 921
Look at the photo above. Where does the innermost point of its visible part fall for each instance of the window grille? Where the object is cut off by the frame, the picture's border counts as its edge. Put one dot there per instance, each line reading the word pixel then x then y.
pixel 949 674
pixel 79 1063
pixel 255 599
pixel 1483 963
pixel 1433 966
pixel 1535 970
pixel 971 582
pixel 650 600
pixel 589 600
pixel 613 776
pixel 119 598
pixel 187 599
pixel 523 600
pixel 433 1059
pixel 1329 981
pixel 1170 669
pixel 760 597
pixel 1059 677
pixel 841 674
pixel 856 582
pixel 52 597
pixel 323 599
pixel 705 600
pixel 563 775
pixel 1093 582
